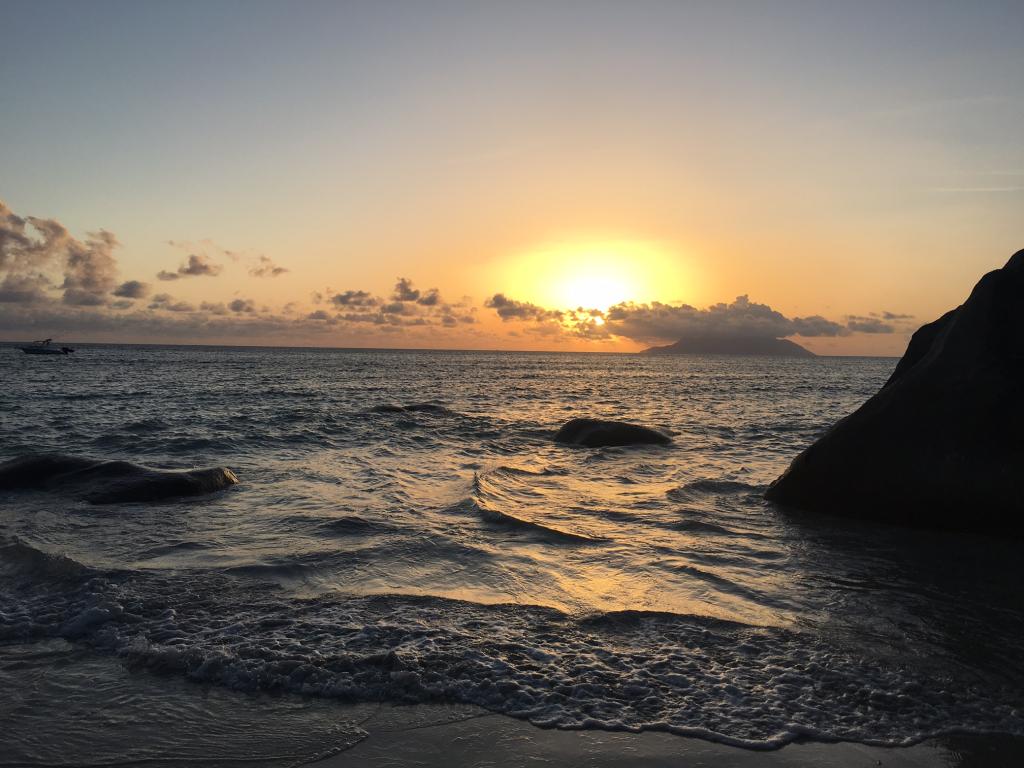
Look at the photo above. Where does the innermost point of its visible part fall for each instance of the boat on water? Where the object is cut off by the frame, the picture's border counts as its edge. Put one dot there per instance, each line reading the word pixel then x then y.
pixel 45 347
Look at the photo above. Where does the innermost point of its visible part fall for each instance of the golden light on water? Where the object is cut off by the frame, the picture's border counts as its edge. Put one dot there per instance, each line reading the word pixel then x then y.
pixel 596 275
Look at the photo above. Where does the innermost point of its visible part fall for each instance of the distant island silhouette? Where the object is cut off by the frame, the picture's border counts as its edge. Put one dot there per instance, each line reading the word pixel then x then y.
pixel 732 345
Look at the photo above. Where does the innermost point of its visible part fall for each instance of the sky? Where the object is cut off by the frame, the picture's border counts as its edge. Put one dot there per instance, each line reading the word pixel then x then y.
pixel 529 175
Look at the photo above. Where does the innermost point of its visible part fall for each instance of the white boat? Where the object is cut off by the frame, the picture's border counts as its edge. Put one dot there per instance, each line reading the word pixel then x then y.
pixel 45 347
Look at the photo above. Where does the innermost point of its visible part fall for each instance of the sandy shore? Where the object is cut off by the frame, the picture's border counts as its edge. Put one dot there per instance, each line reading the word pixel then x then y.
pixel 67 706
pixel 432 736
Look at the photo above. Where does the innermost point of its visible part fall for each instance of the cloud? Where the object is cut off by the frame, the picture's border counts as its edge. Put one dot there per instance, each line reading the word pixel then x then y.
pixel 91 271
pixel 816 325
pixel 213 308
pixel 29 246
pixel 88 297
pixel 260 265
pixel 196 266
pixel 132 289
pixel 199 265
pixel 24 288
pixel 166 302
pixel 658 322
pixel 20 249
pixel 404 291
pixel 742 318
pixel 141 324
pixel 429 298
pixel 352 299
pixel 453 315
pixel 860 324
pixel 50 278
pixel 407 306
pixel 266 268
pixel 509 309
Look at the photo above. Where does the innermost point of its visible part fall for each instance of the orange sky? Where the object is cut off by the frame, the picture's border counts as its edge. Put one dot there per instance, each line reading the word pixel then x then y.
pixel 862 166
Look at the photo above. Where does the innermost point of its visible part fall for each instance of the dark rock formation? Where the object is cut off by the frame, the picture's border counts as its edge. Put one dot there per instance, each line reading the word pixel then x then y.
pixel 108 482
pixel 941 445
pixel 594 433
pixel 739 345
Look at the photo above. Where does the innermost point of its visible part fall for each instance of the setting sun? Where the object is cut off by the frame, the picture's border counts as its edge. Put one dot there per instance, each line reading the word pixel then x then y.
pixel 596 275
pixel 597 291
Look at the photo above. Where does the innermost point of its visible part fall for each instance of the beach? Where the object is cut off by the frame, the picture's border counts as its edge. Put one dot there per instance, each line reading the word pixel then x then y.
pixel 159 717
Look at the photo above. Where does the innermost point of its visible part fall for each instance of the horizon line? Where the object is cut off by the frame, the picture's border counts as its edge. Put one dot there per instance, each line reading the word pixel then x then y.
pixel 7 342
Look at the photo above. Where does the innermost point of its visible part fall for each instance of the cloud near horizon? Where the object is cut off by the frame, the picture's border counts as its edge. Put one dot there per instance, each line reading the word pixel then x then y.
pixel 407 306
pixel 132 289
pixel 198 264
pixel 31 246
pixel 509 309
pixel 55 284
pixel 260 265
pixel 656 322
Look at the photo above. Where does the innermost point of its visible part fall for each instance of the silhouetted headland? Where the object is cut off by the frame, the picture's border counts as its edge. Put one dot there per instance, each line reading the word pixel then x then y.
pixel 595 433
pixel 940 444
pixel 108 482
pixel 732 345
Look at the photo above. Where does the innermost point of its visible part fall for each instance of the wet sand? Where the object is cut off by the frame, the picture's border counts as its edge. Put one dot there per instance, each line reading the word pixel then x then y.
pixel 68 706
pixel 432 736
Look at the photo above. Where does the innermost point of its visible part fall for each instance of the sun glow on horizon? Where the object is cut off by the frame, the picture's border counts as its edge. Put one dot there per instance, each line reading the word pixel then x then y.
pixel 596 275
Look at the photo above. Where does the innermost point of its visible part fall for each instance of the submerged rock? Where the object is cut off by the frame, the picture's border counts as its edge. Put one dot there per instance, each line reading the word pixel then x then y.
pixel 108 482
pixel 594 433
pixel 941 445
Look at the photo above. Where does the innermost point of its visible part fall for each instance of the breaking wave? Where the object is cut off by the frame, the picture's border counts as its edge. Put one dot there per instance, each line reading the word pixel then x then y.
pixel 752 686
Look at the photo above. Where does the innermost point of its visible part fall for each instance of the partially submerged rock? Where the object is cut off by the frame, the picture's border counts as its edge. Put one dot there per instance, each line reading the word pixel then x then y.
pixel 594 433
pixel 941 445
pixel 108 482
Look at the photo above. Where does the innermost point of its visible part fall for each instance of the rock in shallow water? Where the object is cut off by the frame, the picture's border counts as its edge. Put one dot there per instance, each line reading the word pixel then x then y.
pixel 108 482
pixel 941 445
pixel 594 433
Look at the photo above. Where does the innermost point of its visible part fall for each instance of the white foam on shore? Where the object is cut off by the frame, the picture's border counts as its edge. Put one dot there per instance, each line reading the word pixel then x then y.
pixel 753 687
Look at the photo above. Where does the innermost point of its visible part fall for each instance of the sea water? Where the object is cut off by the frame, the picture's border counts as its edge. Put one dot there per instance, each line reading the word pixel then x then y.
pixel 405 530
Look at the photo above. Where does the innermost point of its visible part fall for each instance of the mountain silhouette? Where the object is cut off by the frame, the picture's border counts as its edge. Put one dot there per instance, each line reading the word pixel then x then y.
pixel 732 345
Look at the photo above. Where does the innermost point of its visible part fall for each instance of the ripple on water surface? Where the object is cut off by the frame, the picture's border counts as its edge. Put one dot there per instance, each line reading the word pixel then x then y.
pixel 406 530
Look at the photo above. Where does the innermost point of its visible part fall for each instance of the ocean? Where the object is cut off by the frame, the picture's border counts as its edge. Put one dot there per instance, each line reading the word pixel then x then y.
pixel 405 530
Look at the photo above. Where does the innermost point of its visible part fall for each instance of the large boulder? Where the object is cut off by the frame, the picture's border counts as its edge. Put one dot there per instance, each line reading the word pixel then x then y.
pixel 595 433
pixel 941 445
pixel 108 482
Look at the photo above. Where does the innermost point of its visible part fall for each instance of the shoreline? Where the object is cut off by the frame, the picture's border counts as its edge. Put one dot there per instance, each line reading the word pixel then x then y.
pixel 61 692
pixel 455 736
